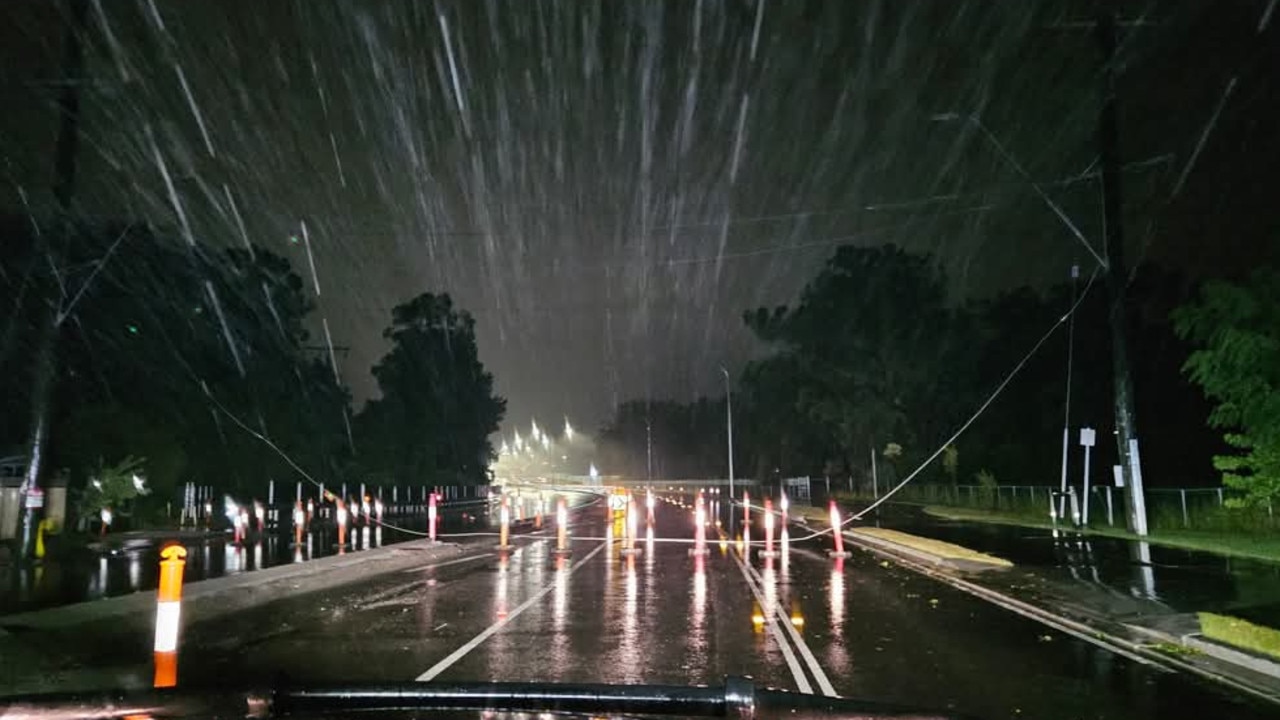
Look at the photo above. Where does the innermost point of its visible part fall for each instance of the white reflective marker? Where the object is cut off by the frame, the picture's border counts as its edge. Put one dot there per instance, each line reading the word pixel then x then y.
pixel 167 616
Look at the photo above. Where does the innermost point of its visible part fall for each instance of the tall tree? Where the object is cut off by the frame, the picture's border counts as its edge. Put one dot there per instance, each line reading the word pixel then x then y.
pixel 1236 330
pixel 870 346
pixel 166 350
pixel 437 407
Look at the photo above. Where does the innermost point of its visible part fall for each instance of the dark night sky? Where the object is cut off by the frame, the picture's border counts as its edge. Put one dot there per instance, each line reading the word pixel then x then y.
pixel 607 186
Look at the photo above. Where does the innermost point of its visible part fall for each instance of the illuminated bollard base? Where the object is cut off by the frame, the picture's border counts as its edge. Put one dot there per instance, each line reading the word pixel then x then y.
pixel 504 548
pixel 769 554
pixel 562 552
pixel 839 554
pixel 632 551
pixel 699 552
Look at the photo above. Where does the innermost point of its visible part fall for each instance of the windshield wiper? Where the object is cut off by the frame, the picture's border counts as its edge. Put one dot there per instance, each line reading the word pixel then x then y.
pixel 737 699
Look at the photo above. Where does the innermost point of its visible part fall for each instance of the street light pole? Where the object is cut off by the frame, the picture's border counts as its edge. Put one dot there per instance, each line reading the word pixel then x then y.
pixel 728 411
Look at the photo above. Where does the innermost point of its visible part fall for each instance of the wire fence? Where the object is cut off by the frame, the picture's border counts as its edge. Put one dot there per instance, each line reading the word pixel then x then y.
pixel 1167 508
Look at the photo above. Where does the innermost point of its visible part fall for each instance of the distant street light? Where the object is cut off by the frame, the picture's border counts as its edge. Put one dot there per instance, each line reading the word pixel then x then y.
pixel 728 412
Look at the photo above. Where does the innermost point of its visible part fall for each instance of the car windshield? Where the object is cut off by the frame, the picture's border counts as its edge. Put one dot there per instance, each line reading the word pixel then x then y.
pixel 924 354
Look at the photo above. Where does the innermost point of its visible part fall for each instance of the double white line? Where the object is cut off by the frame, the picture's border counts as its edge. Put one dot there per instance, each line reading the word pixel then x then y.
pixel 779 625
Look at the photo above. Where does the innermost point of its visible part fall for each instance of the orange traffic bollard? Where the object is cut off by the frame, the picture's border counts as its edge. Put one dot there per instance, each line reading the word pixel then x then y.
pixel 784 505
pixel 431 517
pixel 537 518
pixel 629 529
pixel 699 548
pixel 648 501
pixel 342 524
pixel 562 529
pixel 299 521
pixel 746 508
pixel 168 612
pixel 768 551
pixel 504 530
pixel 839 551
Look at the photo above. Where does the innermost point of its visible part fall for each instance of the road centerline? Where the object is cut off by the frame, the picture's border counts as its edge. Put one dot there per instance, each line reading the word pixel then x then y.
pixel 488 632
pixel 812 661
pixel 797 672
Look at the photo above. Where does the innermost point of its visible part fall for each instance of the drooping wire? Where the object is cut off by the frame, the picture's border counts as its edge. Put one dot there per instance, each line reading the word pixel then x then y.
pixel 972 418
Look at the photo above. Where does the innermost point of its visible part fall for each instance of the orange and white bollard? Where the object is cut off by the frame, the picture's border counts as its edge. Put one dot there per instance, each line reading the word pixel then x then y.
pixel 431 517
pixel 649 505
pixel 746 508
pixel 699 548
pixel 839 551
pixel 299 523
pixel 377 509
pixel 562 528
pixel 768 551
pixel 342 524
pixel 168 612
pixel 259 515
pixel 504 528
pixel 537 518
pixel 629 531
pixel 784 505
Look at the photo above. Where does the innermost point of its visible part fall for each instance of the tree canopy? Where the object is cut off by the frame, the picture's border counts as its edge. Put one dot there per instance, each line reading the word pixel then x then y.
pixel 1235 328
pixel 437 407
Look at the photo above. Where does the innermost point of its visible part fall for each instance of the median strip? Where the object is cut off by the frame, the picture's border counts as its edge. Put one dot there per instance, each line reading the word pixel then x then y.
pixel 928 549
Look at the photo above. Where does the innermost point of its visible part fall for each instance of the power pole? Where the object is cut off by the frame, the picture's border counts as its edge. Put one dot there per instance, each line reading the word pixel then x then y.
pixel 1112 207
pixel 54 249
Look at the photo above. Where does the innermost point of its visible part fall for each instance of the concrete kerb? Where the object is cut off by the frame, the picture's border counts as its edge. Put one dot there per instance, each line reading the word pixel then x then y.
pixel 1241 677
pixel 218 596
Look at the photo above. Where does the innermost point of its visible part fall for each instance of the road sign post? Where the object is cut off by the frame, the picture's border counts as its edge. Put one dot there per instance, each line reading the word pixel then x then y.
pixel 1087 438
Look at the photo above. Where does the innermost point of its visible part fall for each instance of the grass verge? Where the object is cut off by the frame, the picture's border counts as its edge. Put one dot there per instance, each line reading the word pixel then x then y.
pixel 944 550
pixel 1259 547
pixel 1240 633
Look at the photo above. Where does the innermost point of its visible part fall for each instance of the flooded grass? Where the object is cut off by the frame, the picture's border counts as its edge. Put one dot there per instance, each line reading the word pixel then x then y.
pixel 1261 546
pixel 1240 633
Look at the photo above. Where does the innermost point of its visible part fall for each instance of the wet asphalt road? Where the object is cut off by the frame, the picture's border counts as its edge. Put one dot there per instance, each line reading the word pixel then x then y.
pixel 858 627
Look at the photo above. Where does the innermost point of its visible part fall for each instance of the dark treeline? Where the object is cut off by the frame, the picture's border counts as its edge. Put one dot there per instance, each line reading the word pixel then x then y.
pixel 198 360
pixel 873 354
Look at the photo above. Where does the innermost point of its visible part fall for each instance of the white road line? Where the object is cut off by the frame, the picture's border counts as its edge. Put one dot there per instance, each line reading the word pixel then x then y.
pixel 802 682
pixel 488 632
pixel 823 683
